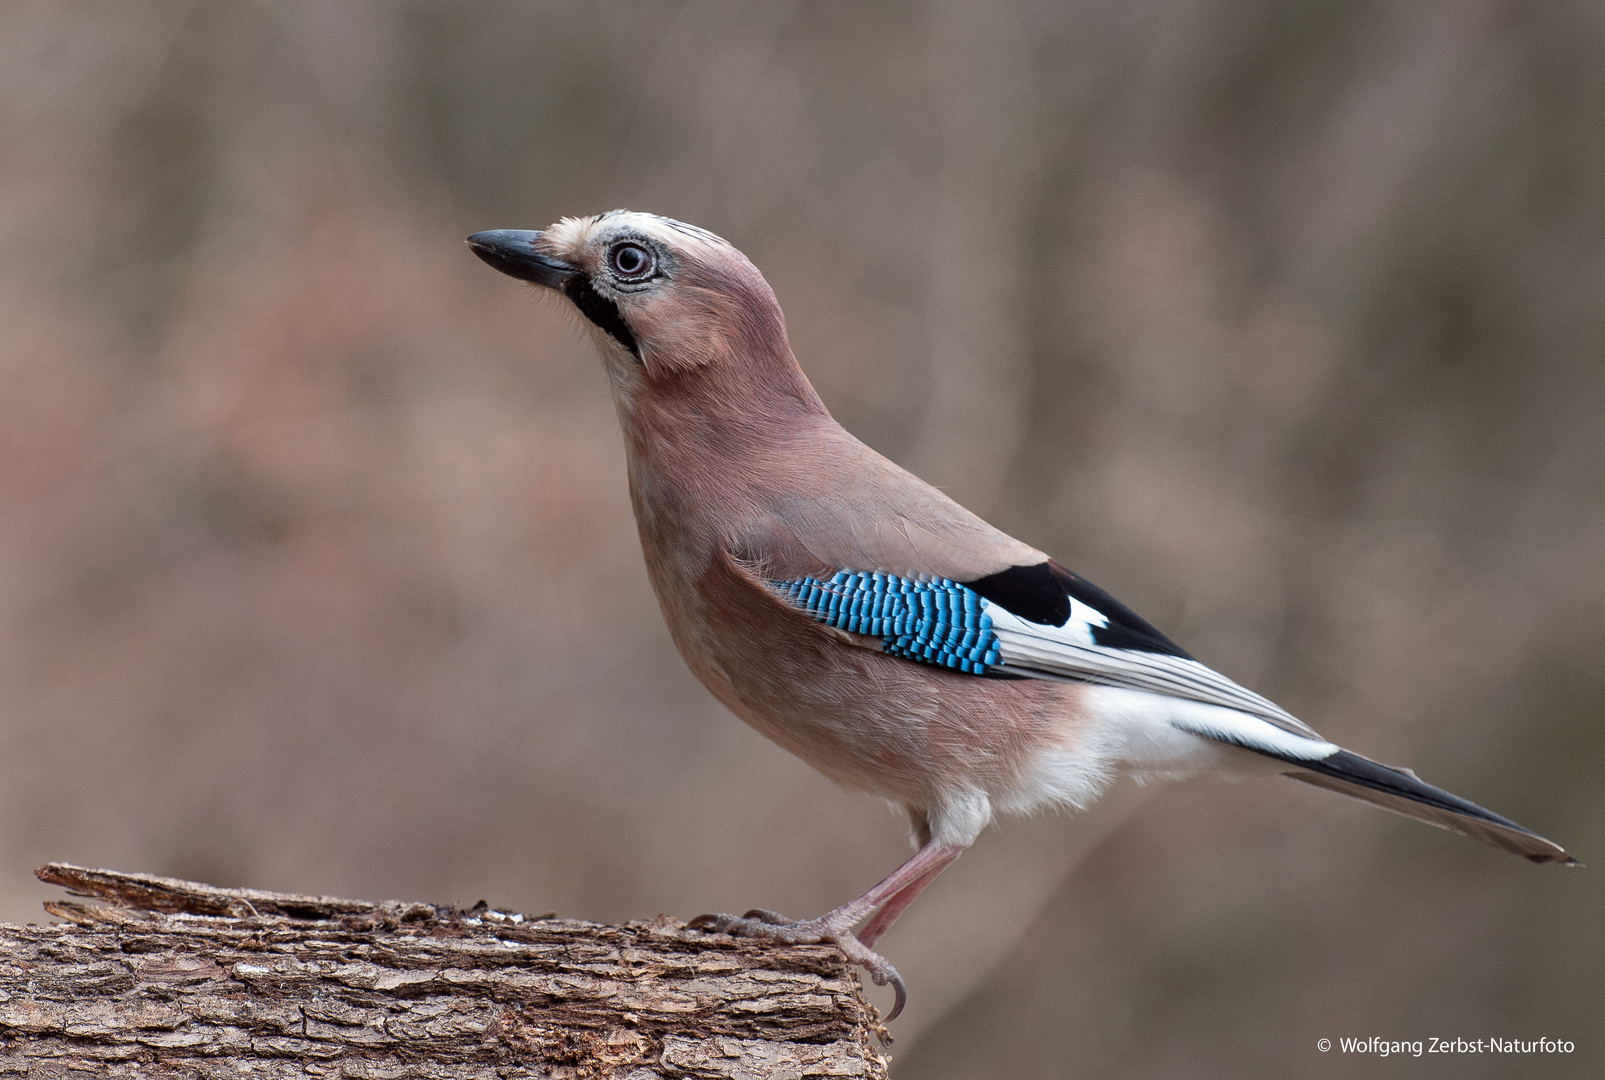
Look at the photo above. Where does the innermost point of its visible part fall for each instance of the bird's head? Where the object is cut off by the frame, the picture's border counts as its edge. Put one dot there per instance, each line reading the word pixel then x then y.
pixel 664 299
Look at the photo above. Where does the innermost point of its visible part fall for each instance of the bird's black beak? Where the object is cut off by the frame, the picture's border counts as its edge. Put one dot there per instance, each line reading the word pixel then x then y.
pixel 512 251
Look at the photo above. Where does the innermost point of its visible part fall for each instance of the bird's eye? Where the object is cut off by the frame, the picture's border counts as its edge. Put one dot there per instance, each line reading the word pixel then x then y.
pixel 631 261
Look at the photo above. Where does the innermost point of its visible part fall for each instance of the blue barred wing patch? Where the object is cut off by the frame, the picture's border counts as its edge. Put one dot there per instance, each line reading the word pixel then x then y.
pixel 935 622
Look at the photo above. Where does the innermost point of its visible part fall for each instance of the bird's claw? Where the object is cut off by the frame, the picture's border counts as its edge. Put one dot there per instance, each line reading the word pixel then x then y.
pixel 761 923
pixel 902 998
pixel 773 918
pixel 717 924
pixel 881 972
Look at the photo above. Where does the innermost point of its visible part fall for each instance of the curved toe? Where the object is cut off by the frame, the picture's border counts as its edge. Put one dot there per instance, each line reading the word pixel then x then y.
pixel 772 926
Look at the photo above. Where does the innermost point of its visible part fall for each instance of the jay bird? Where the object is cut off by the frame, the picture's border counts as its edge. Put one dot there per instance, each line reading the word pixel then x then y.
pixel 866 622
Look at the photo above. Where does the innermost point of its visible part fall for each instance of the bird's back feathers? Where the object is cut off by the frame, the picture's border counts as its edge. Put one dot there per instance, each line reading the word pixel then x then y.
pixel 850 507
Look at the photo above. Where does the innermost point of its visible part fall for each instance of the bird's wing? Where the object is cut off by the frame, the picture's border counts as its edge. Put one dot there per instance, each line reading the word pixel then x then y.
pixel 879 547
pixel 1036 622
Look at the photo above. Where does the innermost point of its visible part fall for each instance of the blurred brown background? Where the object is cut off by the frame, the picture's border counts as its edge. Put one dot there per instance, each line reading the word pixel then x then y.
pixel 1282 321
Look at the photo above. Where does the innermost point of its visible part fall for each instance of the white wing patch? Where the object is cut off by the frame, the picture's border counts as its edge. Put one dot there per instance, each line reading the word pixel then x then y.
pixel 1069 652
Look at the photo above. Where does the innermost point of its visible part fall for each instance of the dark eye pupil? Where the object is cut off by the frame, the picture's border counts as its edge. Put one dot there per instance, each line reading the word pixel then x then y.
pixel 629 259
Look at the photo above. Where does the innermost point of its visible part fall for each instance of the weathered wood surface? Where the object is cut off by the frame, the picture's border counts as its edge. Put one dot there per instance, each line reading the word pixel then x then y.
pixel 175 979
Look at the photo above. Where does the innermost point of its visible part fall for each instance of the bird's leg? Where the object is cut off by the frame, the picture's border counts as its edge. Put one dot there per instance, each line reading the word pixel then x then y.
pixel 885 901
pixel 884 918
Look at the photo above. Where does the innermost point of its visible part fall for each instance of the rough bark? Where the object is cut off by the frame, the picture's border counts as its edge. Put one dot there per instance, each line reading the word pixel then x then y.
pixel 172 978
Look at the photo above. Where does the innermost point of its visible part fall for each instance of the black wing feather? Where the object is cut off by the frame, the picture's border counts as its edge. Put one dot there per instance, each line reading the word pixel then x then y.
pixel 1042 594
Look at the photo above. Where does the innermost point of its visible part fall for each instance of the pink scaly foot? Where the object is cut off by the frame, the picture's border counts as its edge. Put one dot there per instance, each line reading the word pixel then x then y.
pixel 885 902
pixel 832 929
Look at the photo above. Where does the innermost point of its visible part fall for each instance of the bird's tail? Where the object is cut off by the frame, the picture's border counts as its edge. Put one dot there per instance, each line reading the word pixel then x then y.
pixel 1400 791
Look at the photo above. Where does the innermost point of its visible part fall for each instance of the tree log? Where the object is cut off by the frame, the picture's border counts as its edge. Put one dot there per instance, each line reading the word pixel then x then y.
pixel 171 978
